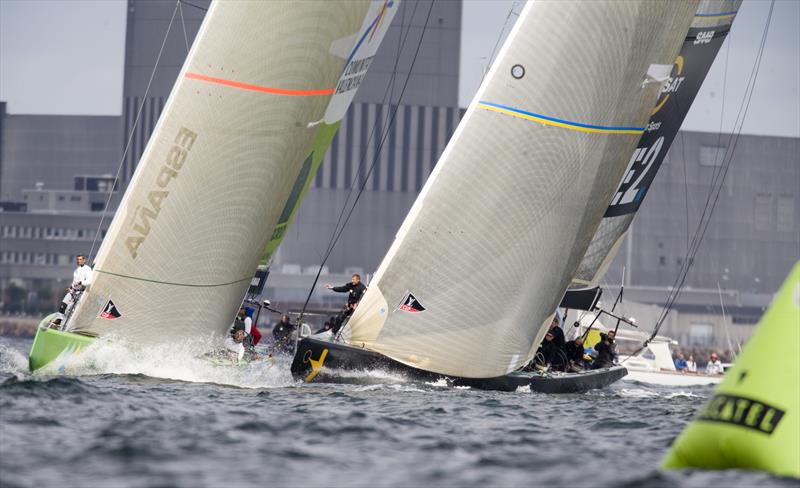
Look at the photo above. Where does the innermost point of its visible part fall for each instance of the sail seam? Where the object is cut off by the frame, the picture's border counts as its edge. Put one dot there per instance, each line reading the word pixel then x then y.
pixel 258 88
pixel 566 124
pixel 721 14
pixel 189 285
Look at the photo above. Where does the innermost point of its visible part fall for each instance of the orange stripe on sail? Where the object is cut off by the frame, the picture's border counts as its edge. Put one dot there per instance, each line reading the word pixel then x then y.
pixel 258 88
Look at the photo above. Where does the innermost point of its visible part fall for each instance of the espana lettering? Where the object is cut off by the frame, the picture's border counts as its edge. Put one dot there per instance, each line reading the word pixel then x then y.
pixel 147 212
pixel 743 412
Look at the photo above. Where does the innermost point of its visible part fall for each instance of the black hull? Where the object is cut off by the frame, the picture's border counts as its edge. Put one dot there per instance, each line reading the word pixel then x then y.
pixel 315 357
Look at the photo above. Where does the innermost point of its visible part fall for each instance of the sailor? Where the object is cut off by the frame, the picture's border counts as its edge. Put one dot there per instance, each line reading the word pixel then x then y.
pixel 714 365
pixel 557 331
pixel 574 352
pixel 606 351
pixel 240 343
pixel 245 317
pixel 282 334
pixel 552 354
pixel 355 290
pixel 81 278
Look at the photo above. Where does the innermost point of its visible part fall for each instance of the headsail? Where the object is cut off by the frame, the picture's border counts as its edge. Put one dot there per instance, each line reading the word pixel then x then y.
pixel 496 234
pixel 247 123
pixel 710 27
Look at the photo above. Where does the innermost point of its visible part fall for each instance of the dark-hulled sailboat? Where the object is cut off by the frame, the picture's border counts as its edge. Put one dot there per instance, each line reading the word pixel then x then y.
pixel 486 253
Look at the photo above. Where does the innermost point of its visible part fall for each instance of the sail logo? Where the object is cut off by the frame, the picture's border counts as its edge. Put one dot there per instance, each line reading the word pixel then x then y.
pixel 145 214
pixel 742 412
pixel 354 74
pixel 703 37
pixel 110 311
pixel 671 86
pixel 640 163
pixel 411 304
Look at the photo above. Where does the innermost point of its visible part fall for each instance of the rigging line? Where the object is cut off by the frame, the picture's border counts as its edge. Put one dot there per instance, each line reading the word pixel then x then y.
pixel 388 92
pixel 685 186
pixel 183 24
pixel 133 130
pixel 725 322
pixel 680 278
pixel 497 43
pixel 734 136
pixel 376 158
pixel 730 151
pixel 198 7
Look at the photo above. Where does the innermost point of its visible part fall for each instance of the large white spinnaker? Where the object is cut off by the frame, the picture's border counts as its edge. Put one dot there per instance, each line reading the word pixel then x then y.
pixel 256 103
pixel 710 27
pixel 491 243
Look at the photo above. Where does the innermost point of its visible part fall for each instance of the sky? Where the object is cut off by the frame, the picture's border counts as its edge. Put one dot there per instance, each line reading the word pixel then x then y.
pixel 67 57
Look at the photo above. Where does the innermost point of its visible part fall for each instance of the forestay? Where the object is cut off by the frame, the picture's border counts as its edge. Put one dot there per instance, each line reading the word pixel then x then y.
pixel 494 238
pixel 245 127
pixel 710 27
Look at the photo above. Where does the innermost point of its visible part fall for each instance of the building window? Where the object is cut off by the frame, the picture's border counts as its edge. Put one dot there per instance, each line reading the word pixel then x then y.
pixel 712 155
pixel 785 217
pixel 763 211
pixel 701 334
pixel 75 198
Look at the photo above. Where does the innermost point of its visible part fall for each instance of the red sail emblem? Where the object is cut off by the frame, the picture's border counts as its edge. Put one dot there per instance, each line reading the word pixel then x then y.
pixel 411 304
pixel 110 311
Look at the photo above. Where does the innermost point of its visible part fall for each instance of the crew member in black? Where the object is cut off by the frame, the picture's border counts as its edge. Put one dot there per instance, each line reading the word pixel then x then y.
pixel 606 351
pixel 574 352
pixel 355 290
pixel 551 354
pixel 282 334
pixel 558 333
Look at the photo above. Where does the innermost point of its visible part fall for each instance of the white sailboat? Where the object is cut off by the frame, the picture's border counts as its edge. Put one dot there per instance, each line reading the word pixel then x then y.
pixel 259 98
pixel 488 249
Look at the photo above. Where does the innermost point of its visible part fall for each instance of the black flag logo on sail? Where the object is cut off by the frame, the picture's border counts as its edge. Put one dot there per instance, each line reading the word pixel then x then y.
pixel 110 311
pixel 411 304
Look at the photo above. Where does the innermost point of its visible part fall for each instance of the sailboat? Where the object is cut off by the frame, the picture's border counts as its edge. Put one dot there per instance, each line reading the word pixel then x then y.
pixel 254 108
pixel 487 251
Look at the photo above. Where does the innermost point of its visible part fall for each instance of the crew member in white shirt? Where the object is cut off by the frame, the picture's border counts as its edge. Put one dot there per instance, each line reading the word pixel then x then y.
pixel 81 278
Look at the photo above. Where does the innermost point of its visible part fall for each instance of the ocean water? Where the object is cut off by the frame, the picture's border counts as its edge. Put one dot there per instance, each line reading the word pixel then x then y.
pixel 165 418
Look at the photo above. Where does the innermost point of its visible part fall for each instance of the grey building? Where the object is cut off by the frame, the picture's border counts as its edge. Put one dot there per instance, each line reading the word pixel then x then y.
pixel 749 246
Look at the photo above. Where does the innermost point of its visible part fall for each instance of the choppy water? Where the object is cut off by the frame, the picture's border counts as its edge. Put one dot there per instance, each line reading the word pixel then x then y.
pixel 115 423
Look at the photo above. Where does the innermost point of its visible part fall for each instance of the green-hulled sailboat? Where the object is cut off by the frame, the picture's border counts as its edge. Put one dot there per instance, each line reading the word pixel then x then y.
pixel 258 100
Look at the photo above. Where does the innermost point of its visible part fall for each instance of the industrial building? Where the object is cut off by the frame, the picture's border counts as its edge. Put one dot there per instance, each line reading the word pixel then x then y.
pixel 56 171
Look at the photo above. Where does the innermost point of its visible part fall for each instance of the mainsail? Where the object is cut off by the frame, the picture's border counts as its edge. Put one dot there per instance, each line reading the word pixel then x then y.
pixel 494 238
pixel 256 103
pixel 710 27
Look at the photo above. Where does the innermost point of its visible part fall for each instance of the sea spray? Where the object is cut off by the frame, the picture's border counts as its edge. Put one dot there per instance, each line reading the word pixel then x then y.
pixel 12 360
pixel 185 361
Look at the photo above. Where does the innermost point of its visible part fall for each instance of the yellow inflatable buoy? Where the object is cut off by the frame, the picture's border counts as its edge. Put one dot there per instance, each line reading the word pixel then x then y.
pixel 753 419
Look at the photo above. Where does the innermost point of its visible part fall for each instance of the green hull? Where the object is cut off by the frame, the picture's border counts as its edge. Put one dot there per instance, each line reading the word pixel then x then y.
pixel 50 344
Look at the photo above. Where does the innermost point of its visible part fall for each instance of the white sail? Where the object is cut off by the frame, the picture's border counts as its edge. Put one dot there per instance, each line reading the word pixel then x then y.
pixel 258 98
pixel 710 27
pixel 491 243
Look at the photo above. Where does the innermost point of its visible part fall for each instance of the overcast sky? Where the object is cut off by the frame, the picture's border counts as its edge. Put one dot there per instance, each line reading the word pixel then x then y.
pixel 67 57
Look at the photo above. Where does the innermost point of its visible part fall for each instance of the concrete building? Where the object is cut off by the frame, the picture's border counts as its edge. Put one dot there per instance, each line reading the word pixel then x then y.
pixel 752 240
